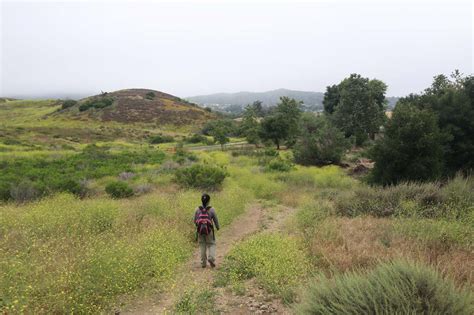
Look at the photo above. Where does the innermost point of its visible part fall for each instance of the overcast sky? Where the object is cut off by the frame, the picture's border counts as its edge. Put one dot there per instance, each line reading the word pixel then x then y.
pixel 186 48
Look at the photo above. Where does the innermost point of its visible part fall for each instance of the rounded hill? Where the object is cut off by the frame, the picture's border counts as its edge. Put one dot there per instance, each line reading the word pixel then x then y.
pixel 137 106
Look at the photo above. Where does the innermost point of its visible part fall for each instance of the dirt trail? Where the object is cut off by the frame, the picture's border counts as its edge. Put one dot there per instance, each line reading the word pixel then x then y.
pixel 191 272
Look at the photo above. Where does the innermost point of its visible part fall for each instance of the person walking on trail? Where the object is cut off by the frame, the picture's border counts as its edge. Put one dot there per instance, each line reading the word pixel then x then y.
pixel 205 219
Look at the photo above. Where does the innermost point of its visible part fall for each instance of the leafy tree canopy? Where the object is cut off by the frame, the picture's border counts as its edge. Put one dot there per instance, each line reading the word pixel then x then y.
pixel 356 106
pixel 320 142
pixel 411 149
pixel 282 124
pixel 452 100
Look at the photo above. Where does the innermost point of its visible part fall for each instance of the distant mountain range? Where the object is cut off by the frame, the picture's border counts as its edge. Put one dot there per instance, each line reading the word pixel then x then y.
pixel 235 102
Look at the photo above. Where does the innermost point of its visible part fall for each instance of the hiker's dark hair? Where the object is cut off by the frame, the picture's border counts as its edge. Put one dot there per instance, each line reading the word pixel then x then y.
pixel 205 198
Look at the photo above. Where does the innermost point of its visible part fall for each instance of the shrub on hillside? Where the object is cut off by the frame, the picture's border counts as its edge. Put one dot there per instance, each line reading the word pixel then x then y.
pixel 150 95
pixel 161 139
pixel 196 138
pixel 319 142
pixel 98 102
pixel 79 188
pixel 25 191
pixel 391 288
pixel 50 175
pixel 68 103
pixel 271 152
pixel 10 141
pixel 118 189
pixel 5 191
pixel 203 176
pixel 182 156
pixel 278 165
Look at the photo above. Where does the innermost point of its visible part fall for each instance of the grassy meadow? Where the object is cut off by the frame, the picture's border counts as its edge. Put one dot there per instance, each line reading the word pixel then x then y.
pixel 68 246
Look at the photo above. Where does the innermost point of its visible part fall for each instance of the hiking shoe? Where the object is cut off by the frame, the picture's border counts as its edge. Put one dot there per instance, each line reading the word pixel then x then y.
pixel 203 266
pixel 211 262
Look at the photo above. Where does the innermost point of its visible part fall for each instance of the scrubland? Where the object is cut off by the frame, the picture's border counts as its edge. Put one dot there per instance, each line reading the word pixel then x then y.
pixel 347 247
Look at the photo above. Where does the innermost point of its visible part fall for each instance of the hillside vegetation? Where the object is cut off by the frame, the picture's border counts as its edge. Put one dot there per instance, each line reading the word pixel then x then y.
pixel 138 105
pixel 101 250
pixel 96 215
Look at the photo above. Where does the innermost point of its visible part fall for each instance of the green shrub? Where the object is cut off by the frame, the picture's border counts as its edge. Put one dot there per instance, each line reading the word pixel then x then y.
pixel 182 156
pixel 202 176
pixel 119 189
pixel 320 142
pixel 196 138
pixel 150 95
pixel 271 152
pixel 279 165
pixel 5 191
pixel 10 141
pixel 77 187
pixel 97 102
pixel 84 107
pixel 277 262
pixel 25 191
pixel 161 139
pixel 391 288
pixel 68 103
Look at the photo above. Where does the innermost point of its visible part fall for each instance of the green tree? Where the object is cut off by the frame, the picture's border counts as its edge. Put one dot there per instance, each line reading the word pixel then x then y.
pixel 331 98
pixel 228 125
pixel 219 133
pixel 377 90
pixel 274 128
pixel 357 105
pixel 282 124
pixel 250 126
pixel 452 100
pixel 290 110
pixel 320 142
pixel 258 108
pixel 411 149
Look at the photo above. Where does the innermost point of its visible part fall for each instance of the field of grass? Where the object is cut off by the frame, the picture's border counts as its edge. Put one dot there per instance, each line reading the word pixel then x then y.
pixel 62 253
pixel 66 246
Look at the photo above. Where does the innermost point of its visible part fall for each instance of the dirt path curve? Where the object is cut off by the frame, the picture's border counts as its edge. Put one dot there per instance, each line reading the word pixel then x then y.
pixel 191 272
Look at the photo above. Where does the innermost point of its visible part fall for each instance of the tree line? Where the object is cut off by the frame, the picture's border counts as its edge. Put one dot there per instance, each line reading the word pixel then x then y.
pixel 429 136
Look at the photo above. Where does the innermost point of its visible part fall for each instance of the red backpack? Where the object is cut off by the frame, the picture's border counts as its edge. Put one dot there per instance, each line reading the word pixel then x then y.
pixel 203 221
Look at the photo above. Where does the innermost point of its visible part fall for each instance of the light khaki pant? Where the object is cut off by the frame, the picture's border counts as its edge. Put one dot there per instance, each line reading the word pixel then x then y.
pixel 207 242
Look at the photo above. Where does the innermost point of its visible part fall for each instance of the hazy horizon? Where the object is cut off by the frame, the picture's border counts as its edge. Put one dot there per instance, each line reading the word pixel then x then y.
pixel 189 48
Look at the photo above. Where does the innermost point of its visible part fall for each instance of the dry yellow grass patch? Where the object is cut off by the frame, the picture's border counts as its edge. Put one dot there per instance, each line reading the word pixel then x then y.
pixel 344 244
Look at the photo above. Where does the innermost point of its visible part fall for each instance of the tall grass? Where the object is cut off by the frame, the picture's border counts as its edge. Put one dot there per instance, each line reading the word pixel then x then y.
pixel 453 201
pixel 63 254
pixel 391 288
